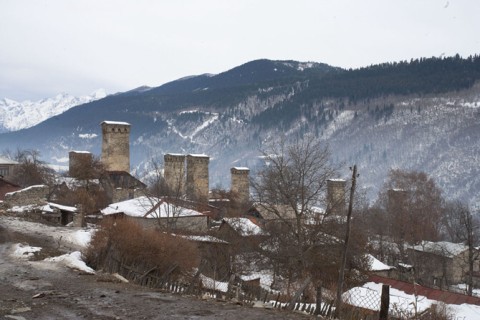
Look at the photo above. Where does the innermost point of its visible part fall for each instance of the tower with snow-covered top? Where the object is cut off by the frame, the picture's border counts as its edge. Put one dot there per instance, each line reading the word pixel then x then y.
pixel 240 183
pixel 174 173
pixel 336 196
pixel 77 161
pixel 197 177
pixel 116 146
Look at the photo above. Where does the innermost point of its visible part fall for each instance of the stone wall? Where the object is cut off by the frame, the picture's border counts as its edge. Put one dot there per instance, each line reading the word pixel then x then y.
pixel 192 223
pixel 116 146
pixel 34 195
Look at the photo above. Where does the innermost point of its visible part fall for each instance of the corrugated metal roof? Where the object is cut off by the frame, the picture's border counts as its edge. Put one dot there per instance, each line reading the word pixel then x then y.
pixel 430 293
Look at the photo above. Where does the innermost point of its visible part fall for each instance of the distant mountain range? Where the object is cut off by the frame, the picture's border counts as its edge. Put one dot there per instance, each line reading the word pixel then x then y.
pixel 423 114
pixel 16 115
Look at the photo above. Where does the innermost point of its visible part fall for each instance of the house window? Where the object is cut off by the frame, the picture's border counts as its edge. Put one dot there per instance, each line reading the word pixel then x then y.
pixel 4 171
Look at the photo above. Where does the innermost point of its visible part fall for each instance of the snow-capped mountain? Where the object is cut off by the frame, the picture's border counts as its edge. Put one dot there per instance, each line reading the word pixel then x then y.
pixel 20 115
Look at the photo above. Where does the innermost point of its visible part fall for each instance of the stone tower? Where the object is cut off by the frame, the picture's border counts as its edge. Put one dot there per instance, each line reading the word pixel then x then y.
pixel 76 160
pixel 116 146
pixel 174 173
pixel 336 196
pixel 241 183
pixel 197 177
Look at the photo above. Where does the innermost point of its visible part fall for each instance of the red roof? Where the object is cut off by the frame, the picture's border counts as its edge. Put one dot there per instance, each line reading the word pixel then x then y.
pixel 430 293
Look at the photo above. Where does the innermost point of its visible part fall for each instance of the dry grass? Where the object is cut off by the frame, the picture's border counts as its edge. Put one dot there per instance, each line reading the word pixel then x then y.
pixel 126 241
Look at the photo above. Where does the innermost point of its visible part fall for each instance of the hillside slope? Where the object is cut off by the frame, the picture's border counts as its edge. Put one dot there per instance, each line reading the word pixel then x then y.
pixel 421 115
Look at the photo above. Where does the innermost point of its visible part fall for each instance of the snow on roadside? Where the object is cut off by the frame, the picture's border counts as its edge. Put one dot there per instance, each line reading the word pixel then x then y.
pixel 24 251
pixel 77 238
pixel 72 260
pixel 73 238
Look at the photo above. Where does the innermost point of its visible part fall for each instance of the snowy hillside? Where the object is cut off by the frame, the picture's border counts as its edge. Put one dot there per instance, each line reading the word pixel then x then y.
pixel 411 116
pixel 20 115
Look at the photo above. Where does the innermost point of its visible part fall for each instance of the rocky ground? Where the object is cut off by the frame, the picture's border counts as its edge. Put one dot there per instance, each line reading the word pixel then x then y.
pixel 42 290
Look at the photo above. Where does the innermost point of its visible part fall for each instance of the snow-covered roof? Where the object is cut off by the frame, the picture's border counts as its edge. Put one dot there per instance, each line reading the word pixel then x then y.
pixel 78 151
pixel 26 189
pixel 199 155
pixel 338 180
pixel 61 207
pixel 73 182
pixel 244 226
pixel 443 248
pixel 148 207
pixel 241 168
pixel 7 161
pixel 377 265
pixel 204 239
pixel 116 122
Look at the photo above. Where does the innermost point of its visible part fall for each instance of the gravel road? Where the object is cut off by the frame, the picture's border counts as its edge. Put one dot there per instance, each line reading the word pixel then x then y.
pixel 42 290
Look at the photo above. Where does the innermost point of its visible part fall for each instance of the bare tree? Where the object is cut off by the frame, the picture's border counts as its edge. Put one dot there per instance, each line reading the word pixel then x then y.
pixel 166 200
pixel 31 170
pixel 462 226
pixel 87 169
pixel 293 182
pixel 414 206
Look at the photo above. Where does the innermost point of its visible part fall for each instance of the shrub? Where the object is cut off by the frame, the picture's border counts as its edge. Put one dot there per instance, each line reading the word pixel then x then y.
pixel 122 241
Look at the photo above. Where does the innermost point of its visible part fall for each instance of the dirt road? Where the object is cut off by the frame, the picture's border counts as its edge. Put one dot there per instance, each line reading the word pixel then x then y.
pixel 42 290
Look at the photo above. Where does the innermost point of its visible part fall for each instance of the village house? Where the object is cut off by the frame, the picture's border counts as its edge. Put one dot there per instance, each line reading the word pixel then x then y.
pixel 442 264
pixel 152 213
pixel 244 234
pixel 7 168
pixel 7 187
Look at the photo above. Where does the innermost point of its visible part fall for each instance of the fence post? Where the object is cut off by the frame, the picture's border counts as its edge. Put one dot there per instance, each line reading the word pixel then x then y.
pixel 385 301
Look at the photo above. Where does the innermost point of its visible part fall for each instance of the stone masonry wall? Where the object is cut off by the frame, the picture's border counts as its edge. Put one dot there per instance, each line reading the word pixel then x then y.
pixel 241 183
pixel 197 177
pixel 34 195
pixel 174 173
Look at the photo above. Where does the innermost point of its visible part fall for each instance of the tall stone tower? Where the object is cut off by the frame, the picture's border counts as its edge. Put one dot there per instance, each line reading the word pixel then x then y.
pixel 76 161
pixel 240 183
pixel 174 173
pixel 336 196
pixel 197 177
pixel 116 146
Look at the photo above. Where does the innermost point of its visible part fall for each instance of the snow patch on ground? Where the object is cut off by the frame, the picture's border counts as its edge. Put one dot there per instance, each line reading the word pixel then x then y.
pixel 72 260
pixel 24 251
pixel 401 303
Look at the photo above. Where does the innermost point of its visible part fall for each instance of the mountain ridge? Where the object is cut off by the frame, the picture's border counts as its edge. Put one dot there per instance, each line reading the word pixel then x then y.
pixel 418 115
pixel 16 115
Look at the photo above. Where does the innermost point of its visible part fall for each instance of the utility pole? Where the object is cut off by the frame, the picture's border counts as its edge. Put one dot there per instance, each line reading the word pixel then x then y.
pixel 341 273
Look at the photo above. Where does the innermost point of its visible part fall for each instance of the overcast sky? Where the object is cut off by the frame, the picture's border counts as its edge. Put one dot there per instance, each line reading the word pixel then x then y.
pixel 78 46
